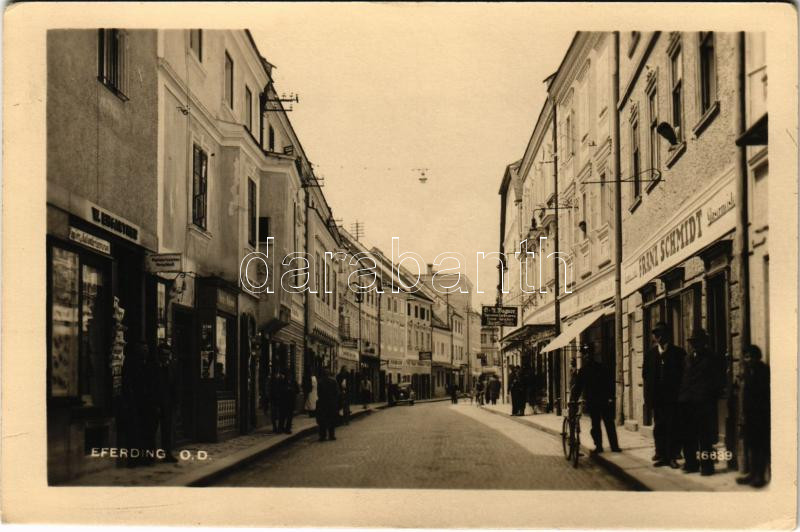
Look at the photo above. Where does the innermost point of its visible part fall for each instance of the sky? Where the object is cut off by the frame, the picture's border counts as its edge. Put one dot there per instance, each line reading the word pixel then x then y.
pixel 387 89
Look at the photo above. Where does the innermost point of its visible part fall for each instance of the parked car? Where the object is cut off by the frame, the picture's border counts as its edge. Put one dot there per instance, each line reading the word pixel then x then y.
pixel 401 393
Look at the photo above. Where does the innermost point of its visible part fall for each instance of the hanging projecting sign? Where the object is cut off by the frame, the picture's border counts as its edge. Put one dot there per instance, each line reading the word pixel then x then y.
pixel 111 222
pixel 499 316
pixel 165 262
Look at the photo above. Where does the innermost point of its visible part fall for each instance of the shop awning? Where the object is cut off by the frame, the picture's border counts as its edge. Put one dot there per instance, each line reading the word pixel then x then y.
pixel 576 328
pixel 531 331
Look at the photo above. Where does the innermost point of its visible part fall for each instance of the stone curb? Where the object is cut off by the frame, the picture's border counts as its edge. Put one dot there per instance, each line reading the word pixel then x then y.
pixel 625 467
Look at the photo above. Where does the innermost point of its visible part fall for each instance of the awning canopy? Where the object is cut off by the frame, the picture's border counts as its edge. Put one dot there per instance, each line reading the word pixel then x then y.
pixel 576 328
pixel 531 331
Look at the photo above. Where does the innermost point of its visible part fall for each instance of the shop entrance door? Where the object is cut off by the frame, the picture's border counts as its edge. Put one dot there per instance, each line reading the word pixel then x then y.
pixel 182 341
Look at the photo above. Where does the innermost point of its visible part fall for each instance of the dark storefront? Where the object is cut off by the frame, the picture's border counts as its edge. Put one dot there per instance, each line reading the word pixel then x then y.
pixel 96 295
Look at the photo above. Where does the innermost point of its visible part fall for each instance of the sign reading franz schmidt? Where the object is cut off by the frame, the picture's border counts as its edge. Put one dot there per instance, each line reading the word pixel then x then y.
pixel 696 226
pixel 112 222
pixel 499 316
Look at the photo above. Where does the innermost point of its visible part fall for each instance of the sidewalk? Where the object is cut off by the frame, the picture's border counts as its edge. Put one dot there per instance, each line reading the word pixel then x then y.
pixel 634 463
pixel 222 457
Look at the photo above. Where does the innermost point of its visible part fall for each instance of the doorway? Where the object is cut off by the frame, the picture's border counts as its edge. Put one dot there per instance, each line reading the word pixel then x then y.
pixel 183 344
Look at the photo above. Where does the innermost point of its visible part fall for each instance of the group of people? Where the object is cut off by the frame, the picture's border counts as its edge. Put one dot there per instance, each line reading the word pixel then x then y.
pixel 519 386
pixel 146 400
pixel 683 389
pixel 327 399
pixel 486 390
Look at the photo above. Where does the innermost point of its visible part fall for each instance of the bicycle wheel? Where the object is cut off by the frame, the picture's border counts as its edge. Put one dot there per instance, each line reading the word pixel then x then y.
pixel 565 439
pixel 576 444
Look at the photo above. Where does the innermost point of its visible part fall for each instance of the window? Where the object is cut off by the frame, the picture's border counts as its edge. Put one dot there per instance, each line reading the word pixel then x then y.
pixel 196 43
pixel 416 311
pixel 653 148
pixel 248 109
pixel 251 212
pixel 199 187
pixel 79 323
pixel 584 214
pixel 635 160
pixel 409 309
pixel 271 139
pixel 112 57
pixel 228 80
pixel 676 79
pixel 263 228
pixel 708 73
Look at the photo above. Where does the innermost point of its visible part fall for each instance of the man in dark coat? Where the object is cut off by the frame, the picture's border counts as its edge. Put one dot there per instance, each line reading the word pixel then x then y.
pixel 596 383
pixel 494 390
pixel 277 389
pixel 701 385
pixel 168 393
pixel 287 403
pixel 327 405
pixel 756 410
pixel 661 374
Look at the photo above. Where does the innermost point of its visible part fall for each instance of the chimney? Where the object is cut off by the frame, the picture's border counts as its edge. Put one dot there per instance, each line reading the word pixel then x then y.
pixel 430 269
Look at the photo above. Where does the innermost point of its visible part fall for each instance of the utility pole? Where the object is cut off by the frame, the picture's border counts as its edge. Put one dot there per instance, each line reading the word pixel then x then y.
pixel 620 377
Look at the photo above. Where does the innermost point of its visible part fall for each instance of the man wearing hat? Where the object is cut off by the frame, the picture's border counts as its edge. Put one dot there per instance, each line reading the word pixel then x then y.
pixel 701 385
pixel 596 383
pixel 661 374
pixel 756 410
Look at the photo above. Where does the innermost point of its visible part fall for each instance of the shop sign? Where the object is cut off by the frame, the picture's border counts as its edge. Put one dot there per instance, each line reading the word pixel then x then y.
pixel 700 224
pixel 90 241
pixel 112 222
pixel 584 297
pixel 425 355
pixel 499 316
pixel 165 262
pixel 394 364
pixel 226 301
pixel 346 354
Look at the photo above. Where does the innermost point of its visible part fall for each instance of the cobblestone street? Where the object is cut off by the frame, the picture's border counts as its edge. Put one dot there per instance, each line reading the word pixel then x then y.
pixel 435 446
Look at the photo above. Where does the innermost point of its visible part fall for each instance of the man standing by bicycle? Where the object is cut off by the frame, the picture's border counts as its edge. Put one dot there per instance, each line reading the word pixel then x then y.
pixel 596 383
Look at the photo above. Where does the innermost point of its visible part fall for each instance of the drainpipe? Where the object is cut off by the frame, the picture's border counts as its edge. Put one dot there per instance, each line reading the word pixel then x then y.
pixel 620 377
pixel 556 303
pixel 741 246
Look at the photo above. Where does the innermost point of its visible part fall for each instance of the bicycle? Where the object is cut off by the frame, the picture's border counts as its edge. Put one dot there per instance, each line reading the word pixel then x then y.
pixel 571 432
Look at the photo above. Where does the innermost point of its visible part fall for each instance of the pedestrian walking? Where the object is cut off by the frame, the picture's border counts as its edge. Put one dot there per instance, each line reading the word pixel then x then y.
pixel 596 383
pixel 701 385
pixel 286 407
pixel 662 371
pixel 327 405
pixel 311 396
pixel 517 390
pixel 167 396
pixel 366 392
pixel 494 389
pixel 480 390
pixel 454 393
pixel 343 380
pixel 755 410
pixel 277 389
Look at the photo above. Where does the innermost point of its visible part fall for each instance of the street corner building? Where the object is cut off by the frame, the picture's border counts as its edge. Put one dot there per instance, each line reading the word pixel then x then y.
pixel 641 197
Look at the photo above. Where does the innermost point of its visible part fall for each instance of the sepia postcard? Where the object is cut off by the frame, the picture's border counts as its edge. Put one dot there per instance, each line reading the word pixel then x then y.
pixel 407 265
